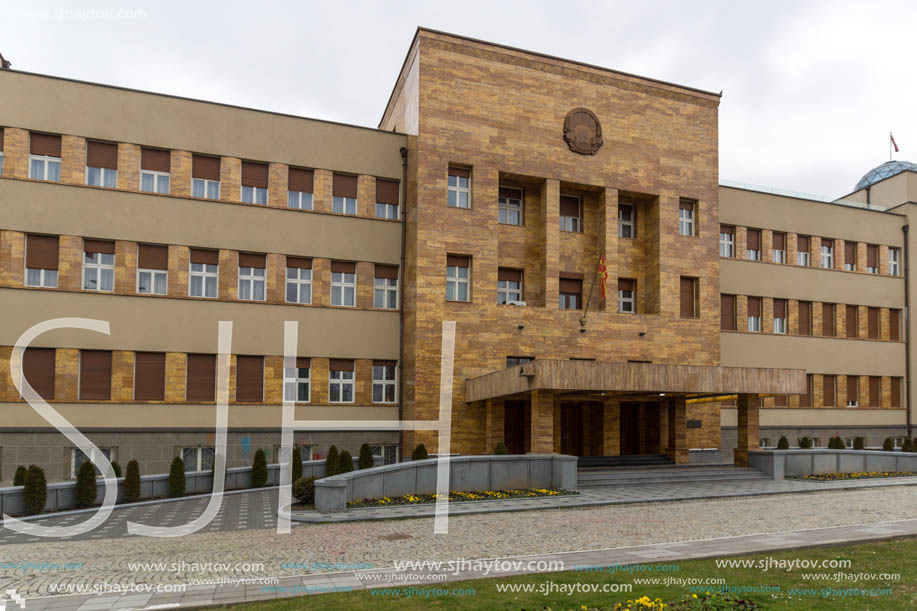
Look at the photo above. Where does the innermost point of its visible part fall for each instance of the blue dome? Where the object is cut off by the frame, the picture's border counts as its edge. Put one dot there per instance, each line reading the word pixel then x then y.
pixel 886 170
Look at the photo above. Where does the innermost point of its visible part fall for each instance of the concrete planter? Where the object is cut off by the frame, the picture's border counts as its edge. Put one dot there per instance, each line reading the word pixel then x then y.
pixel 794 463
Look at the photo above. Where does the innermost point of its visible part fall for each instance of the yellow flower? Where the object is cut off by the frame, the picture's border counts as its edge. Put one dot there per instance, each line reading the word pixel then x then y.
pixel 694 595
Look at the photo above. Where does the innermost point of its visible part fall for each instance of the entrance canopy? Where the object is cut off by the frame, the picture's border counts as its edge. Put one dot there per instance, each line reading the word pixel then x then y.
pixel 613 378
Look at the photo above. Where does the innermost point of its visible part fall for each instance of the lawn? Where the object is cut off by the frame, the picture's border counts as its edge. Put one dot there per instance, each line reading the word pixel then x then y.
pixel 896 556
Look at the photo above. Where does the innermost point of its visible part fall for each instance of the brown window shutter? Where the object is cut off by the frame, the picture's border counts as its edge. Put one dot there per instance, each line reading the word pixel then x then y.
pixel 299 262
pixel 853 326
pixel 460 172
pixel 343 267
pixel 300 180
pixel 509 275
pixel 896 392
pixel 569 206
pixel 894 325
pixel 872 255
pixel 102 155
pixel 875 391
pixel 340 364
pixel 458 261
pixel 873 320
pixel 99 246
pixel 686 204
pixel 510 192
pixel 571 286
pixel 208 257
pixel 202 370
pixel 829 382
pixel 386 191
pixel 1 138
pixel 378 363
pixel 805 318
pixel 827 242
pixel 344 185
pixel 827 320
pixel 251 260
pixel 853 388
pixel 728 312
pixel 806 399
pixel 754 306
pixel 780 401
pixel 41 252
pixel 254 174
pixel 803 243
pixel 688 297
pixel 303 362
pixel 44 144
pixel 250 378
pixel 727 229
pixel 150 256
pixel 207 168
pixel 95 375
pixel 155 160
pixel 389 272
pixel 779 240
pixel 754 239
pixel 149 376
pixel 779 308
pixel 850 252
pixel 38 370
pixel 626 284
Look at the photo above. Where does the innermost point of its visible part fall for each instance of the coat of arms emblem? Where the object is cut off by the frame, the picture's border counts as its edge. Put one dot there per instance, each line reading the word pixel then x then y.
pixel 583 132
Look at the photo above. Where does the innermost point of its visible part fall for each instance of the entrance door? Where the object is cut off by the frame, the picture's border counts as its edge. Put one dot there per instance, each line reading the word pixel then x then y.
pixel 571 429
pixel 630 428
pixel 514 426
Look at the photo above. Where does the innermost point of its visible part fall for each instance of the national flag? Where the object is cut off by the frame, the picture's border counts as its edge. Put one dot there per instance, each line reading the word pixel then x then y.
pixel 894 144
pixel 603 274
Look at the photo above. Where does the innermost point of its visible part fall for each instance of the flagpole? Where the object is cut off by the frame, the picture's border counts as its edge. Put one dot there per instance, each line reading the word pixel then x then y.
pixel 582 321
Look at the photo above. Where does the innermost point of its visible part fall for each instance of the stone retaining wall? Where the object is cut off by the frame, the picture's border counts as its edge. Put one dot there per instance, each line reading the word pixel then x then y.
pixel 793 463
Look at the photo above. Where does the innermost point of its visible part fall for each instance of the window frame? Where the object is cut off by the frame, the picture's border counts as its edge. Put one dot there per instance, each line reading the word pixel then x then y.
pixel 505 207
pixel 687 221
pixel 204 274
pixel 577 221
pixel 458 189
pixel 157 178
pixel 564 299
pixel 389 211
pixel 727 244
pixel 297 381
pixel 342 284
pixel 206 184
pixel 104 174
pixel 894 263
pixel 505 291
pixel 299 198
pixel 458 282
pixel 341 382
pixel 827 255
pixel 254 195
pixel 629 223
pixel 198 457
pixel 624 299
pixel 388 290
pixel 252 279
pixel 385 383
pixel 45 161
pixel 153 274
pixel 98 268
pixel 343 205
pixel 42 273
pixel 300 284
pixel 109 452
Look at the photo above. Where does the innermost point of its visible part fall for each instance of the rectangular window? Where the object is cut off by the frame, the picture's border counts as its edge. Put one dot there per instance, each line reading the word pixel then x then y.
pixel 204 274
pixel 754 314
pixel 803 248
pixel 509 286
pixel 95 375
pixel 254 183
pixel 571 213
pixel 41 257
pixel 827 253
pixel 512 361
pixel 344 194
pixel 388 452
pixel 201 377
pixel 828 320
pixel 728 312
pixel 627 295
pixel 727 241
pixel 872 320
pixel 687 209
pixel 850 256
pixel 384 382
pixel 38 371
pixel 197 458
pixel 778 251
pixel 875 391
pixel 627 220
pixel 205 177
pixel 829 386
pixel 249 379
pixel 149 376
pixel 155 166
pixel 894 325
pixel 872 259
pixel 299 189
pixel 853 323
pixel 896 392
pixel 252 271
pixel 98 265
pixel 894 258
pixel 510 206
pixel 299 280
pixel 458 278
pixel 386 199
pixel 805 318
pixel 78 457
pixel 297 381
pixel 340 381
pixel 459 187
pixel 44 157
pixel 571 293
pixel 753 245
pixel 853 391
pixel 806 399
pixel 343 283
pixel 780 309
pixel 385 289
pixel 101 164
pixel 688 295
pixel 152 269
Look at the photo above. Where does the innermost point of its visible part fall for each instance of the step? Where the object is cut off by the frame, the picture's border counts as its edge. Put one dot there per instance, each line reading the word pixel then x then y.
pixel 669 480
pixel 650 472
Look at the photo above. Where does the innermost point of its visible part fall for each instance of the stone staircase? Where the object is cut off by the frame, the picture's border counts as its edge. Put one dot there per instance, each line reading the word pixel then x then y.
pixel 634 475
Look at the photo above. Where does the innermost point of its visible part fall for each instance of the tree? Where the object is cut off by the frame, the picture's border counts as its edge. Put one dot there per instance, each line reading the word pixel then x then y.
pixel 331 461
pixel 297 464
pixel 859 443
pixel 35 494
pixel 304 490
pixel 259 470
pixel 783 444
pixel 19 478
pixel 419 453
pixel 177 478
pixel 116 468
pixel 132 482
pixel 366 457
pixel 345 462
pixel 888 445
pixel 907 446
pixel 805 443
pixel 85 492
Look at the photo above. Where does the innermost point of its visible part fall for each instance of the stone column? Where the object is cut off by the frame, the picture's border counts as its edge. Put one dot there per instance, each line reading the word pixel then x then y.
pixel 551 217
pixel 748 428
pixel 541 435
pixel 611 435
pixel 678 437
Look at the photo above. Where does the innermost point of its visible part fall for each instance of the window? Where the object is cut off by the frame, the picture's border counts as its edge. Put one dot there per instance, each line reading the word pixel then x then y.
pixel 806 399
pixel 778 252
pixel 754 314
pixel 872 259
pixel 343 283
pixel 627 295
pixel 297 381
pixel 98 265
pixel 388 452
pixel 385 290
pixel 154 170
pixel 254 183
pixel 896 392
pixel 41 256
pixel 753 245
pixel 805 317
pixel 344 194
pixel 510 201
pixel 95 375
pixel 780 401
pixel 727 241
pixel 780 308
pixel 340 381
pixel 627 221
pixel 688 297
pixel 827 253
pixel 201 377
pixel 458 278
pixel 872 320
pixel 249 378
pixel 571 293
pixel 251 277
pixel 205 177
pixel 803 247
pixel 204 275
pixel 686 211
pixel 850 256
pixel 299 280
pixel 894 324
pixel 829 386
pixel 101 164
pixel 512 361
pixel 827 320
pixel 459 187
pixel 875 391
pixel 384 382
pixel 78 457
pixel 299 185
pixel 570 213
pixel 152 269
pixel 386 199
pixel 44 157
pixel 764 442
pixel 728 312
pixel 853 324
pixel 197 458
pixel 853 391
pixel 509 286
pixel 149 376
pixel 38 371
pixel 894 256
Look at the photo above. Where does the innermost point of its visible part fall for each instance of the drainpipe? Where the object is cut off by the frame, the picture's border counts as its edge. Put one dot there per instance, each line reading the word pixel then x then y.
pixel 404 228
pixel 907 331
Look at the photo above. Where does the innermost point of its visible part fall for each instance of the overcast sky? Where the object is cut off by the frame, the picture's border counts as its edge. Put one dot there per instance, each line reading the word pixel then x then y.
pixel 810 89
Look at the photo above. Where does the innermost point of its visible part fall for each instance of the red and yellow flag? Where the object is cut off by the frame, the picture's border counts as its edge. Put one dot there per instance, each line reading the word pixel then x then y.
pixel 603 274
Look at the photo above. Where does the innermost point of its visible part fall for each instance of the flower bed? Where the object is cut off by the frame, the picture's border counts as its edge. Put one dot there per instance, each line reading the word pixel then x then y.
pixel 834 477
pixel 456 497
pixel 709 601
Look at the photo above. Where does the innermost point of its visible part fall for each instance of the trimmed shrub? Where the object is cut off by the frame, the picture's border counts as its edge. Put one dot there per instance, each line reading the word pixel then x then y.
pixel 366 457
pixel 907 446
pixel 332 462
pixel 345 462
pixel 419 453
pixel 297 464
pixel 213 468
pixel 836 443
pixel 35 494
pixel 259 469
pixel 116 468
pixel 501 450
pixel 19 478
pixel 888 445
pixel 132 482
pixel 783 444
pixel 805 443
pixel 85 491
pixel 304 490
pixel 177 477
pixel 859 443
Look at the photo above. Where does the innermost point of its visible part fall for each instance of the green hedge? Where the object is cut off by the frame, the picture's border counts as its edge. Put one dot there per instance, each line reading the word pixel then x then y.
pixel 177 478
pixel 35 494
pixel 132 482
